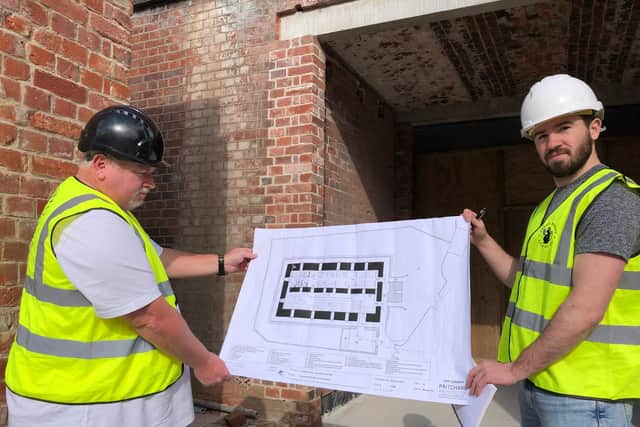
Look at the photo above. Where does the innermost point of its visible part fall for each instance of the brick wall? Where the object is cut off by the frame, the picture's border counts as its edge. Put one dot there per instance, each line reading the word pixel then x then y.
pixel 60 61
pixel 206 72
pixel 359 164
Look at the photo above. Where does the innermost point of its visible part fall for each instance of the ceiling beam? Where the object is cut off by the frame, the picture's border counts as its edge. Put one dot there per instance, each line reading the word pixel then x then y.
pixel 361 14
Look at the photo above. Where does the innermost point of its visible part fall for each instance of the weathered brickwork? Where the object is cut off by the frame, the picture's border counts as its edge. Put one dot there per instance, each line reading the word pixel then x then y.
pixel 207 73
pixel 60 61
pixel 359 166
pixel 294 181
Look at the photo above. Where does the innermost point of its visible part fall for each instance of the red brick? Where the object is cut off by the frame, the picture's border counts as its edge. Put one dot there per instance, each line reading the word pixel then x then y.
pixel 91 80
pixel 52 167
pixel 74 52
pixel 37 99
pixel 68 69
pixel 300 109
pixel 14 251
pixel 20 206
pixel 7 226
pixel 88 39
pixel 34 187
pixel 18 25
pixel 84 114
pixel 26 228
pixel 10 89
pixel 68 8
pixel 52 124
pixel 10 43
pixel 120 73
pixel 98 102
pixel 60 87
pixel 12 160
pixel 40 56
pixel 61 148
pixel 108 29
pixel 50 40
pixel 8 112
pixel 122 55
pixel 99 63
pixel 33 141
pixel 8 133
pixel 64 108
pixel 17 69
pixel 63 26
pixel 36 12
pixel 10 296
pixel 10 4
pixel 8 183
pixel 96 5
pixel 8 273
pixel 119 90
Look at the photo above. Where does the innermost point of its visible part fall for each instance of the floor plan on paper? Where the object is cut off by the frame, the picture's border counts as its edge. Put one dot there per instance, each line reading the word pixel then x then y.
pixel 377 308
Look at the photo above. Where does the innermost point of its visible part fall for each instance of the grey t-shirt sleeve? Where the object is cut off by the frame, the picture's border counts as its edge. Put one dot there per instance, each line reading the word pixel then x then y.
pixel 105 260
pixel 611 224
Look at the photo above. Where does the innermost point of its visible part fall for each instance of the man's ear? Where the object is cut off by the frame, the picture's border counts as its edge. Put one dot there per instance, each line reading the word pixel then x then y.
pixel 99 165
pixel 595 127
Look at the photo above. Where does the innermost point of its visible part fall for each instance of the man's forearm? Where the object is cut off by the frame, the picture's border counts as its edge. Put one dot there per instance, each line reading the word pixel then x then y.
pixel 186 264
pixel 565 331
pixel 165 328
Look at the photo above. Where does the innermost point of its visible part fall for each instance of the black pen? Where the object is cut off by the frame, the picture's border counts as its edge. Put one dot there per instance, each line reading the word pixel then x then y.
pixel 480 214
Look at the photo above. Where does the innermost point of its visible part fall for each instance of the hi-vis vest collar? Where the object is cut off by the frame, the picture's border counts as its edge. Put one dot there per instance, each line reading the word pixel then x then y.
pixel 63 352
pixel 544 280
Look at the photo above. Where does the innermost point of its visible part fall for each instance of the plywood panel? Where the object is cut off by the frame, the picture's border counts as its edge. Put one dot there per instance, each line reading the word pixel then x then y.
pixel 526 180
pixel 446 183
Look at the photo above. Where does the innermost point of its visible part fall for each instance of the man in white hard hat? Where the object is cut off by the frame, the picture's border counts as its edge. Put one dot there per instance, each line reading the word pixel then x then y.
pixel 572 328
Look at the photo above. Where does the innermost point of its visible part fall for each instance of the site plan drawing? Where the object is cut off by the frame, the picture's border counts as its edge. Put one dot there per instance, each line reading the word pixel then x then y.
pixel 379 308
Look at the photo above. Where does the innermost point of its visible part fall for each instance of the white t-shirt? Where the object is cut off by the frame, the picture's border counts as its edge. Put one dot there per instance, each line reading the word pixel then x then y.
pixel 105 259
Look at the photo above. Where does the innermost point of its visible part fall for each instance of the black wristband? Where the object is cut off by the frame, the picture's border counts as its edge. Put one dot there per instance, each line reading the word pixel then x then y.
pixel 221 271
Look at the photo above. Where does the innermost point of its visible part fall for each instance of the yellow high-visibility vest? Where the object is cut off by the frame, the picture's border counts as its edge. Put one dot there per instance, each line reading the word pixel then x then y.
pixel 606 365
pixel 63 352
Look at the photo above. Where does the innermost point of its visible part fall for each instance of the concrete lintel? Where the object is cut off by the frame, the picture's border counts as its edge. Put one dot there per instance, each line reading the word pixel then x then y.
pixel 367 13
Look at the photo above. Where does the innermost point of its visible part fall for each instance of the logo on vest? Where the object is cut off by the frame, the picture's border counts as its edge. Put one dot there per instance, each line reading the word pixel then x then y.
pixel 547 234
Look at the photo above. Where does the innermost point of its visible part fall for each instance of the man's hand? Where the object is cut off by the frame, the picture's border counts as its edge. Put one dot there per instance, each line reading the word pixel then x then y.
pixel 238 259
pixel 478 229
pixel 213 372
pixel 491 372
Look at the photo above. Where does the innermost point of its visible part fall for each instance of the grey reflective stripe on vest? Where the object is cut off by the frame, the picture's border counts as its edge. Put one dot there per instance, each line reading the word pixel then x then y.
pixel 605 334
pixel 79 349
pixel 70 297
pixel 66 297
pixel 560 275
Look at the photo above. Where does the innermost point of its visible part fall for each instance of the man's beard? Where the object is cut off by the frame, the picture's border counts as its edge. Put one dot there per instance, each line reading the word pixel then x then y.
pixel 575 163
pixel 135 202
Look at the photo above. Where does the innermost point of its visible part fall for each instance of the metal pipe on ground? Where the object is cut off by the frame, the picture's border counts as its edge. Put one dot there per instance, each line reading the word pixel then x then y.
pixel 225 408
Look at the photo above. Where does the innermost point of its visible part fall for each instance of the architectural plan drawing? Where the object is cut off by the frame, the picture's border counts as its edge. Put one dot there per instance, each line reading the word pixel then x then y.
pixel 377 308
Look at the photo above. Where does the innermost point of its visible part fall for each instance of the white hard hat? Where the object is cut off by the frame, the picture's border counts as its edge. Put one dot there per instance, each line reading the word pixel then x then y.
pixel 556 96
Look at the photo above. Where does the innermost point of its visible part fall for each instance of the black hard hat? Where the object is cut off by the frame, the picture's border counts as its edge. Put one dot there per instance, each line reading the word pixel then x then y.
pixel 125 133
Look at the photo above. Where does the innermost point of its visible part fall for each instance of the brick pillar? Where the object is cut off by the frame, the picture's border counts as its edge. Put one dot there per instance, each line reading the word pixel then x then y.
pixel 294 182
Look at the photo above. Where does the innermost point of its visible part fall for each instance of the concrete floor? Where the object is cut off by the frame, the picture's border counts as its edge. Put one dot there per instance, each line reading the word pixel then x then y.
pixel 374 411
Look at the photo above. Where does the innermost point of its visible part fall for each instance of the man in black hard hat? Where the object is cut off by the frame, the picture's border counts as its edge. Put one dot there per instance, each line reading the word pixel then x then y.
pixel 100 340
